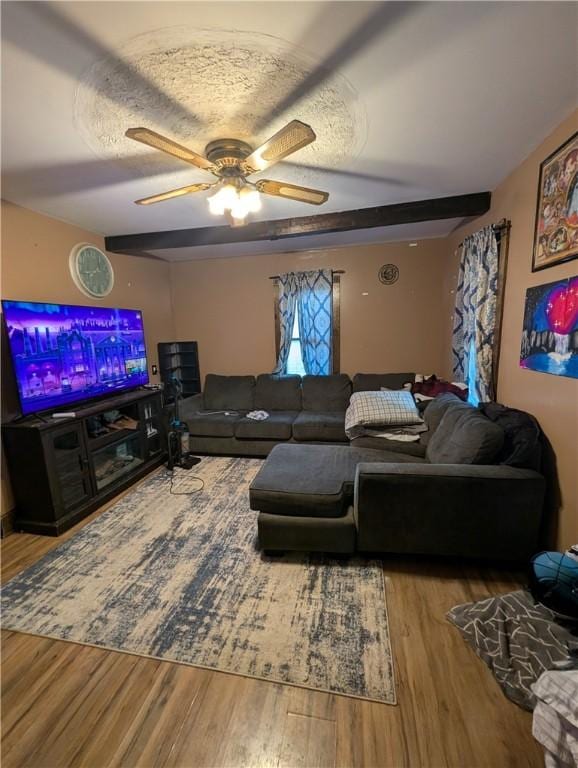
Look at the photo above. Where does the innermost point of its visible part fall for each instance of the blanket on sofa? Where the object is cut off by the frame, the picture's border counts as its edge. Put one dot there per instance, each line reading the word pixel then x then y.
pixel 392 415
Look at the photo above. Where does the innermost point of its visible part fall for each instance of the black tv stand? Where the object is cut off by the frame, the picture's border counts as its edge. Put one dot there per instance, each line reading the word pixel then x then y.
pixel 63 469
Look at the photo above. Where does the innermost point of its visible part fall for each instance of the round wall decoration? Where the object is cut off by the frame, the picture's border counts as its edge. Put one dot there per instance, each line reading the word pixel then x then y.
pixel 91 270
pixel 388 274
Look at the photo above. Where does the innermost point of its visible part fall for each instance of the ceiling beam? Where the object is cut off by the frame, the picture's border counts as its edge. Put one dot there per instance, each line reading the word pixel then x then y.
pixel 342 221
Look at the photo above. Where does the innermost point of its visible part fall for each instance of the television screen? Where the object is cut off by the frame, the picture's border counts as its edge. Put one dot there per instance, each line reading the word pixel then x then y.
pixel 63 353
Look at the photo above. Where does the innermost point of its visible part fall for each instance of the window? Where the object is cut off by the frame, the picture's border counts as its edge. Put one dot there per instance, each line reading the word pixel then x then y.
pixel 295 361
pixel 472 375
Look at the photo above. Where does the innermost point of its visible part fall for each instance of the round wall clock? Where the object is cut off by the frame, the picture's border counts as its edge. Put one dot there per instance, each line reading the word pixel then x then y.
pixel 91 270
pixel 388 274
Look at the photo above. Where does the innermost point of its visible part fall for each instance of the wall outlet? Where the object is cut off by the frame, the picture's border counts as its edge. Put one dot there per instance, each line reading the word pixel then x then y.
pixel 154 369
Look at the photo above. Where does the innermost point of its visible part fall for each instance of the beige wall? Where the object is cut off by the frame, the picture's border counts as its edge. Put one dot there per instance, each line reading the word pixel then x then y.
pixel 227 306
pixel 553 400
pixel 35 251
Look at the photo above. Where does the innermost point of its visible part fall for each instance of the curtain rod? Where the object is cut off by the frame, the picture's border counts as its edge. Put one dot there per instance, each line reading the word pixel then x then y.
pixel 335 272
pixel 502 226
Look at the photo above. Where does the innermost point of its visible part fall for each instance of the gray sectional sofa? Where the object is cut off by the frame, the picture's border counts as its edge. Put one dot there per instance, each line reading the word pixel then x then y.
pixel 309 410
pixel 475 492
pixel 470 487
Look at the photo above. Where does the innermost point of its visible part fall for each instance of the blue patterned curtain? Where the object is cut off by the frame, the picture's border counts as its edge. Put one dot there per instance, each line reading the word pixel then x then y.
pixel 475 314
pixel 316 320
pixel 288 289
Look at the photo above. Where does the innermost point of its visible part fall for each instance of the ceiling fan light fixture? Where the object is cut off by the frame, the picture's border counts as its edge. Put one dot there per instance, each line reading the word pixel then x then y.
pixel 223 200
pixel 232 160
pixel 251 199
pixel 215 206
pixel 238 213
pixel 239 202
pixel 246 203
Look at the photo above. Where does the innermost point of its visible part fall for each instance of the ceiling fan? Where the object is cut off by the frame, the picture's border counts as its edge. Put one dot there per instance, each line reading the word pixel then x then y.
pixel 232 161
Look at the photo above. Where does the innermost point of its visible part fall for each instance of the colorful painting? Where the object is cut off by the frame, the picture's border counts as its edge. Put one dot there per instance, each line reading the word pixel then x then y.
pixel 556 237
pixel 550 334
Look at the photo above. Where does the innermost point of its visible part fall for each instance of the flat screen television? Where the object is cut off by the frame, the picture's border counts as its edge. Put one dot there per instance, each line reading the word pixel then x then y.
pixel 63 354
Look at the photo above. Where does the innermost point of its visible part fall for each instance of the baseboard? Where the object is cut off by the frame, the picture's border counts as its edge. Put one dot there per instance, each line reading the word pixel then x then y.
pixel 7 523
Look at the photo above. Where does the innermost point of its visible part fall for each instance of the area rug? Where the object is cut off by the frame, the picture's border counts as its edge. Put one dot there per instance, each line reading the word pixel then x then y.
pixel 178 577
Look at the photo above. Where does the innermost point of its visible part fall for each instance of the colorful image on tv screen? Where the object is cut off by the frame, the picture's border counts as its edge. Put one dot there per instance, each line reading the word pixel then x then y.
pixel 63 354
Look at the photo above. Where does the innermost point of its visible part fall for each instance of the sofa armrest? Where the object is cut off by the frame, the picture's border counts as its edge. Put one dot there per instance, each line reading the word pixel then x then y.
pixel 492 511
pixel 458 471
pixel 190 405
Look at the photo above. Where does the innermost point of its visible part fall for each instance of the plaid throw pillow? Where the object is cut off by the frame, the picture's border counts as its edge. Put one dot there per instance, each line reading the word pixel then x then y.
pixel 396 408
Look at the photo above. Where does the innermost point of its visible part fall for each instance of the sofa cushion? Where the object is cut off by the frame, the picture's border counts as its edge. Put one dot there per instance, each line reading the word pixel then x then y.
pixel 436 408
pixel 326 393
pixel 416 449
pixel 278 393
pixel 213 424
pixel 324 426
pixel 433 412
pixel 276 427
pixel 464 436
pixel 369 382
pixel 312 480
pixel 234 393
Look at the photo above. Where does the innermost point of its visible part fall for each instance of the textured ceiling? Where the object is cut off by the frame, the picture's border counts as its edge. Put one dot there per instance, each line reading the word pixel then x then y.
pixel 218 84
pixel 409 100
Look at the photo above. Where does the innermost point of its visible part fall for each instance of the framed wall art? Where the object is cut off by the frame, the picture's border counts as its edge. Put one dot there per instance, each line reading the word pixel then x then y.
pixel 550 332
pixel 556 233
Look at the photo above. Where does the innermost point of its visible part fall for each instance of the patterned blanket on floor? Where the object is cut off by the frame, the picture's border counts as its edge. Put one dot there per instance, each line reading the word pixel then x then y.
pixel 518 639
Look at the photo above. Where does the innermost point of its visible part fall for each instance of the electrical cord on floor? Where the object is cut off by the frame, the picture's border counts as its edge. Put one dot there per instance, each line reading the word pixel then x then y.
pixel 183 477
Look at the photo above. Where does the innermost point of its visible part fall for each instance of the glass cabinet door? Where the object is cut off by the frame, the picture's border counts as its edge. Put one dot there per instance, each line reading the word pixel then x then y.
pixel 113 463
pixel 151 417
pixel 69 465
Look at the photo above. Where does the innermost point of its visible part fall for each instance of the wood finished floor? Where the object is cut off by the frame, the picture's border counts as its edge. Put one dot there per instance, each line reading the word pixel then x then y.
pixel 71 705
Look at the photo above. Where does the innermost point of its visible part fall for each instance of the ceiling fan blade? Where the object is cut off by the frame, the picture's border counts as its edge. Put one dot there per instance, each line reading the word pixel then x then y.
pixel 383 17
pixel 173 193
pixel 394 181
pixel 292 191
pixel 289 139
pixel 155 140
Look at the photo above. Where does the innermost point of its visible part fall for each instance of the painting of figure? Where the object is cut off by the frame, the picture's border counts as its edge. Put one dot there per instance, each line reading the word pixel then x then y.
pixel 550 332
pixel 556 235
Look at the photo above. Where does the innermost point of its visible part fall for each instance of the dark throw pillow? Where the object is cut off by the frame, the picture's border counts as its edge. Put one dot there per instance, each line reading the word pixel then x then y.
pixel 522 446
pixel 465 436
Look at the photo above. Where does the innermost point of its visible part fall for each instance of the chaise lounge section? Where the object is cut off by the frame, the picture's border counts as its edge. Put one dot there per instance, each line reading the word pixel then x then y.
pixel 304 494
